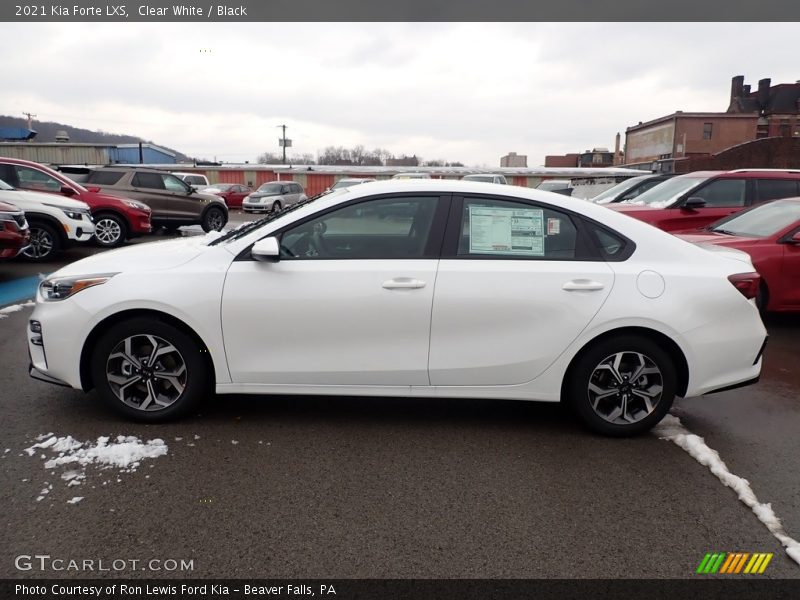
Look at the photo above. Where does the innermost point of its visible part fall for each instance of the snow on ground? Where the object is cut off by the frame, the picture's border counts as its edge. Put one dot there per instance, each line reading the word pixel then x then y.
pixel 124 454
pixel 673 430
pixel 4 312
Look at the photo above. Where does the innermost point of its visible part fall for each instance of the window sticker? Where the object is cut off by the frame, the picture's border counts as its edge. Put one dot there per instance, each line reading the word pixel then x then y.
pixel 507 231
pixel 553 226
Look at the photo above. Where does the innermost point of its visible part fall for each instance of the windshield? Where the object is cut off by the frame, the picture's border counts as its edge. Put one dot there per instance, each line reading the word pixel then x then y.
pixel 5 186
pixel 612 192
pixel 761 222
pixel 345 183
pixel 665 194
pixel 244 229
pixel 270 188
pixel 222 187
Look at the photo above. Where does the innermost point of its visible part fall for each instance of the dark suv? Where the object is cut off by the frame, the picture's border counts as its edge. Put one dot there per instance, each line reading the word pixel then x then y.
pixel 173 202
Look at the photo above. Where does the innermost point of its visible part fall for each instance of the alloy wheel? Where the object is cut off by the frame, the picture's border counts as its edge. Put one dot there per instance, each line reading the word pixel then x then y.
pixel 41 244
pixel 215 220
pixel 146 372
pixel 625 387
pixel 107 231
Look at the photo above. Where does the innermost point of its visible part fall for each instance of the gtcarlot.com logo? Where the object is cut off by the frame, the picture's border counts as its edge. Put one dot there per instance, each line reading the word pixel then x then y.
pixel 734 563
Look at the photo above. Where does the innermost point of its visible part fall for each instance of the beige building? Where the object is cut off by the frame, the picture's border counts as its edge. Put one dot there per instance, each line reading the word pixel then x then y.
pixel 512 159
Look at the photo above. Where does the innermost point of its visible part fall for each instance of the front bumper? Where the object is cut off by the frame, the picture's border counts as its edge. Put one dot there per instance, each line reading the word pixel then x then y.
pixel 37 374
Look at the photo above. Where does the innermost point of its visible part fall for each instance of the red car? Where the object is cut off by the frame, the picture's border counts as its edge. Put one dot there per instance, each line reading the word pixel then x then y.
pixel 770 234
pixel 697 199
pixel 232 193
pixel 116 219
pixel 15 234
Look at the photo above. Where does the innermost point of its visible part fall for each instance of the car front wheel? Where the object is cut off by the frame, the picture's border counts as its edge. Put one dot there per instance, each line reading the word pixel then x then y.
pixel 148 370
pixel 214 219
pixel 622 386
pixel 110 230
pixel 45 242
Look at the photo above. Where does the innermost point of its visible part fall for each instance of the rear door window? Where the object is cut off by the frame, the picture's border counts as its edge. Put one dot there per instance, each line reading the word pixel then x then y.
pixel 104 177
pixel 152 181
pixel 722 192
pixel 775 189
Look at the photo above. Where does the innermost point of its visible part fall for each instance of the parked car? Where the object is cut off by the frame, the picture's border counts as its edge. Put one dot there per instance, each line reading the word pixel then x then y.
pixel 350 181
pixel 55 223
pixel 630 188
pixel 14 232
pixel 486 178
pixel 700 198
pixel 557 186
pixel 770 234
pixel 273 196
pixel 232 193
pixel 196 180
pixel 173 203
pixel 116 219
pixel 537 297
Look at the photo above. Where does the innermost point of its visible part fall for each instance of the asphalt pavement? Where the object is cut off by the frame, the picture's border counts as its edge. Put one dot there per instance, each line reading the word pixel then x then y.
pixel 332 487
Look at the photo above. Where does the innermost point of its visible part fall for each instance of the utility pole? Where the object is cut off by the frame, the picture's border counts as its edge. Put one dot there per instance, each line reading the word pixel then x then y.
pixel 283 142
pixel 30 119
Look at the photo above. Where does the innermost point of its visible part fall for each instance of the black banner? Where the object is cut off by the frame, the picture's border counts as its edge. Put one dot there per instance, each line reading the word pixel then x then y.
pixel 392 10
pixel 721 588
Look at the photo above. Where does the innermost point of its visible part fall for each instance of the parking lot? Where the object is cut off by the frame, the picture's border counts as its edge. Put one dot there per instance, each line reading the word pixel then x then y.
pixel 322 487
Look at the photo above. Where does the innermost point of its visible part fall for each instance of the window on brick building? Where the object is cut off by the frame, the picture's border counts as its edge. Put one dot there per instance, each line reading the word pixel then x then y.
pixel 707 128
pixel 786 128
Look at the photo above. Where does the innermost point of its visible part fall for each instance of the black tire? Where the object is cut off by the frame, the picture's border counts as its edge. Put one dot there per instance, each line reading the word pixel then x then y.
pixel 45 243
pixel 762 297
pixel 214 219
pixel 111 230
pixel 276 207
pixel 592 372
pixel 137 383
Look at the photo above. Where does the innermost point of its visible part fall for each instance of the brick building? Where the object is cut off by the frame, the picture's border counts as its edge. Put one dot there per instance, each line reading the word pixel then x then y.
pixel 769 111
pixel 512 159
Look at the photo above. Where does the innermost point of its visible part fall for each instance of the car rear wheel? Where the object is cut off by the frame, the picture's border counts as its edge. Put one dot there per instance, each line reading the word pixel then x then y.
pixel 622 386
pixel 110 230
pixel 148 370
pixel 45 242
pixel 214 219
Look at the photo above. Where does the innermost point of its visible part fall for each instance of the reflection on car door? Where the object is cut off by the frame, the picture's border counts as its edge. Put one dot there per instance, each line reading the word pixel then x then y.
pixel 349 303
pixel 511 294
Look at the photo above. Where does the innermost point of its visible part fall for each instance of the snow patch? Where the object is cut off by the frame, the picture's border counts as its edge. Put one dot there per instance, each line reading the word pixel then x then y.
pixel 75 500
pixel 4 312
pixel 124 453
pixel 673 430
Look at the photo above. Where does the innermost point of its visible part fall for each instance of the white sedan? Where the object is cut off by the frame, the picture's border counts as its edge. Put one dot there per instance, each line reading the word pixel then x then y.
pixel 413 288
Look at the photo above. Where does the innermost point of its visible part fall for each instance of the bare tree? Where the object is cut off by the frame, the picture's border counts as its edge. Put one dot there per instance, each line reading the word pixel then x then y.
pixel 268 158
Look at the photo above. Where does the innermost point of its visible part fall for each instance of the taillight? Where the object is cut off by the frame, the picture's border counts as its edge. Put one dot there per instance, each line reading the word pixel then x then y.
pixel 746 283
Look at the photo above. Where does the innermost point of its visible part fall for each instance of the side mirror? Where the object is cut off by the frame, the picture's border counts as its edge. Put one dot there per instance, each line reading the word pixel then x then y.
pixel 67 191
pixel 794 239
pixel 267 250
pixel 694 203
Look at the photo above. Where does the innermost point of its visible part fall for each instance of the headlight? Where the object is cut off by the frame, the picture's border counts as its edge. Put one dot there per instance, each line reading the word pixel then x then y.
pixel 72 213
pixel 137 205
pixel 247 197
pixel 61 288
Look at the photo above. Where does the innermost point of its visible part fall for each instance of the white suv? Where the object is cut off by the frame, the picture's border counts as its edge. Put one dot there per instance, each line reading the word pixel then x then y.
pixel 196 180
pixel 55 222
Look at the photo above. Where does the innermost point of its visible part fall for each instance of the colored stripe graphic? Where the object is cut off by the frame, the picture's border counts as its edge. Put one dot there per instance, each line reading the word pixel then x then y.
pixel 733 563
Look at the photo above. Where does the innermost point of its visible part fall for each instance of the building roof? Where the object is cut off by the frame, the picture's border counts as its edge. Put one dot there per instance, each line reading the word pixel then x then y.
pixel 783 98
pixel 690 115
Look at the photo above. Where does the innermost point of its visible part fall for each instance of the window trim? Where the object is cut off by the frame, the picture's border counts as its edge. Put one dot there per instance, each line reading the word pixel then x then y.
pixel 433 247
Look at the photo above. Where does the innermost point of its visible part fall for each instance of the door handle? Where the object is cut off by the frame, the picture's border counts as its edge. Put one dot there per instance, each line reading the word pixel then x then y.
pixel 582 285
pixel 400 283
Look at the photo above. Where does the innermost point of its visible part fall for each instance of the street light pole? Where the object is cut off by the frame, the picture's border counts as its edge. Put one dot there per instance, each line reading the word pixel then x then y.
pixel 283 142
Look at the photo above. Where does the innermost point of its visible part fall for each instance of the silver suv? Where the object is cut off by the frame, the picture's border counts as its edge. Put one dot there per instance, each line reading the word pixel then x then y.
pixel 273 196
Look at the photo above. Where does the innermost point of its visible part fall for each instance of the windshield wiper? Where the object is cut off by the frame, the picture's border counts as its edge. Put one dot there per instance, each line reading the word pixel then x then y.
pixel 724 231
pixel 248 227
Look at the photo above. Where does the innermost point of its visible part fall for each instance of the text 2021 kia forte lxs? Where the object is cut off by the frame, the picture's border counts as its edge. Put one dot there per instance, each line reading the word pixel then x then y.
pixel 411 288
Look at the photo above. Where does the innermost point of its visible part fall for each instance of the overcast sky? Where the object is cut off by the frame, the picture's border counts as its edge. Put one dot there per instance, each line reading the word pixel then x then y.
pixel 458 91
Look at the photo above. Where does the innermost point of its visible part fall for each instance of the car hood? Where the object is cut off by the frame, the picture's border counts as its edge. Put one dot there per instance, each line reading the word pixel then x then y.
pixel 26 197
pixel 624 207
pixel 151 256
pixel 92 196
pixel 264 195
